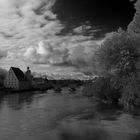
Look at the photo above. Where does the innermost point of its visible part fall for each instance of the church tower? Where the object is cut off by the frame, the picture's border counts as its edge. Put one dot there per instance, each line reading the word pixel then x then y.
pixel 28 74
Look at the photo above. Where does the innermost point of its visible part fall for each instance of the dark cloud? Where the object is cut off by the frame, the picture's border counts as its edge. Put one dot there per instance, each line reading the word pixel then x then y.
pixel 108 15
pixel 71 30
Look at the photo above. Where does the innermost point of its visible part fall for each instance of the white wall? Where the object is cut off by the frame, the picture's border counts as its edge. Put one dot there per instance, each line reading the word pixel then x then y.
pixel 11 80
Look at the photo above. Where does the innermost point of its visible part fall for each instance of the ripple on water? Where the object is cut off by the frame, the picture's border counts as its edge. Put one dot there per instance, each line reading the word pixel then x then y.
pixel 52 116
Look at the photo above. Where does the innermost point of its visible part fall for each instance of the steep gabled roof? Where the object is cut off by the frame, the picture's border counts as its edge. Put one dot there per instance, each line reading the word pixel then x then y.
pixel 19 74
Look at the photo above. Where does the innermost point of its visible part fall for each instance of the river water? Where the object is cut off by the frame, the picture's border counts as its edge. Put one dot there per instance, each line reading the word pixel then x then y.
pixel 59 116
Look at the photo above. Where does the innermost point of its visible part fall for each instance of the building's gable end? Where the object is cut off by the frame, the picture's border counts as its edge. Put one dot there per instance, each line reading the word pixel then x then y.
pixel 8 76
pixel 16 80
pixel 11 80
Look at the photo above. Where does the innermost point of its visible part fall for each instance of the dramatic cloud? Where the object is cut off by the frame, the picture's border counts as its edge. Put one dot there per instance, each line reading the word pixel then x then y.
pixel 25 22
pixel 44 53
pixel 86 29
pixel 31 33
pixel 70 51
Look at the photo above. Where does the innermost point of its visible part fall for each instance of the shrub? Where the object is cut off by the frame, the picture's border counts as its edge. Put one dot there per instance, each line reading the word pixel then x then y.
pixel 119 59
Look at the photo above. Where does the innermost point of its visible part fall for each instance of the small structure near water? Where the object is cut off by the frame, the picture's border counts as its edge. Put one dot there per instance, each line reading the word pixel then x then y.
pixel 17 80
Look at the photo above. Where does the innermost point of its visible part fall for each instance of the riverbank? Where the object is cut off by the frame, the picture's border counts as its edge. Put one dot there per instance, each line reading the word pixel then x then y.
pixel 99 88
pixel 103 89
pixel 48 84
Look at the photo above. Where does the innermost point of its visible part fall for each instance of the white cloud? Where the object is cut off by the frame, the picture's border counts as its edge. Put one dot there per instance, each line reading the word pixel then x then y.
pixel 26 23
pixel 44 53
pixel 66 52
pixel 22 24
pixel 3 54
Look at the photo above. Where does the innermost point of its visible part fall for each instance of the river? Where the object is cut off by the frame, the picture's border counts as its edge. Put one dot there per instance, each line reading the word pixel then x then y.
pixel 58 116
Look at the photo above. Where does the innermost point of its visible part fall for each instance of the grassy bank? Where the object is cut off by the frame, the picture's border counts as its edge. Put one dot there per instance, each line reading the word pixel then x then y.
pixel 105 90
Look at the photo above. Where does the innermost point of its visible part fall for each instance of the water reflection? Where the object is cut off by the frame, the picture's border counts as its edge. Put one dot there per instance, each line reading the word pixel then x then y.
pixel 79 131
pixel 18 100
pixel 108 112
pixel 58 116
pixel 136 137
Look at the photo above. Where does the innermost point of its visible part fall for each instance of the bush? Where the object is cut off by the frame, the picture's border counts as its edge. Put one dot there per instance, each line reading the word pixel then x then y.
pixel 118 58
pixel 101 88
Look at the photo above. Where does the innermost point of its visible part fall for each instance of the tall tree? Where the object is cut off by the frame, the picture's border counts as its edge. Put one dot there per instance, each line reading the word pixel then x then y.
pixel 119 54
pixel 134 26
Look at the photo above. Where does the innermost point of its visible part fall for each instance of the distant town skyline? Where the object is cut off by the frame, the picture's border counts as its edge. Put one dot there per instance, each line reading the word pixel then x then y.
pixel 57 36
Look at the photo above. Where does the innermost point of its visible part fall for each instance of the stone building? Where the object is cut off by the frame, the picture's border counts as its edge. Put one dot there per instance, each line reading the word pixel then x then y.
pixel 17 80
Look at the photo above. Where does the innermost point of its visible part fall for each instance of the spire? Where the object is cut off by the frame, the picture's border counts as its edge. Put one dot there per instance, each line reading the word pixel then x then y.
pixel 28 68
pixel 28 73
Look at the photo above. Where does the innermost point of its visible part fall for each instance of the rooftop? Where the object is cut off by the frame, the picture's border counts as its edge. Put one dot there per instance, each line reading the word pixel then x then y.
pixel 19 74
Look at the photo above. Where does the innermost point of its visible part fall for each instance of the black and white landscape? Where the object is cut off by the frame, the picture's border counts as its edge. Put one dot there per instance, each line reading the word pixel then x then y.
pixel 69 69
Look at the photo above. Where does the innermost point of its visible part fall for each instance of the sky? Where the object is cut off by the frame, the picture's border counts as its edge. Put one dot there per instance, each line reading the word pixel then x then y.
pixel 58 36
